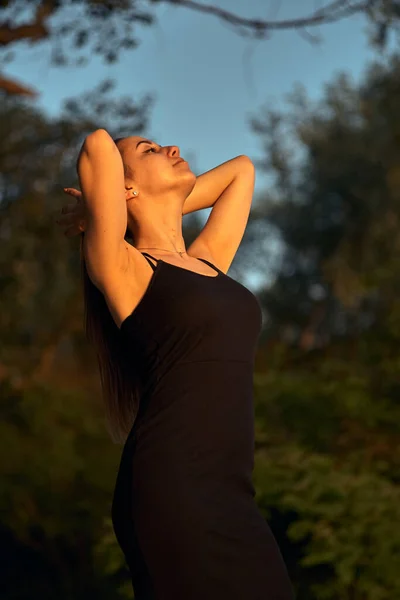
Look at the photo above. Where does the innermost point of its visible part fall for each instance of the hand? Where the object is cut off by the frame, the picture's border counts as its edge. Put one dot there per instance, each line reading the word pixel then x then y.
pixel 72 218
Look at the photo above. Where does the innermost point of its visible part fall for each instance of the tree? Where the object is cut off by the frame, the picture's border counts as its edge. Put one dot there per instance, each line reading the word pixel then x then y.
pixel 109 25
pixel 326 387
pixel 53 501
pixel 58 466
pixel 334 205
pixel 327 381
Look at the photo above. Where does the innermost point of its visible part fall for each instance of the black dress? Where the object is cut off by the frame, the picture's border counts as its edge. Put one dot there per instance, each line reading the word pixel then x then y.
pixel 183 509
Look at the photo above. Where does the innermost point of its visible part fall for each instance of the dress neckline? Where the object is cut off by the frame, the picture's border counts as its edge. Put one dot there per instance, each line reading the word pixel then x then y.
pixel 161 262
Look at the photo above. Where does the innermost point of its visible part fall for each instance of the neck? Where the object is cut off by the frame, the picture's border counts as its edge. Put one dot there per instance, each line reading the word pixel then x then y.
pixel 159 230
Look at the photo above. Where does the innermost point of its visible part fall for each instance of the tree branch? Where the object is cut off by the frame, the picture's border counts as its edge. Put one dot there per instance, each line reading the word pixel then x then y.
pixel 38 30
pixel 13 88
pixel 35 31
pixel 332 12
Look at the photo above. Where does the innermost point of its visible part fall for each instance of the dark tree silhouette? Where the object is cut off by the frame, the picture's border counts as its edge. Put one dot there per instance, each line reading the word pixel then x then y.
pixel 109 25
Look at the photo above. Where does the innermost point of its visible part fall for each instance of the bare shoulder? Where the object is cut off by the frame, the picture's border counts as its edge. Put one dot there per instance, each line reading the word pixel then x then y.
pixel 123 289
pixel 198 249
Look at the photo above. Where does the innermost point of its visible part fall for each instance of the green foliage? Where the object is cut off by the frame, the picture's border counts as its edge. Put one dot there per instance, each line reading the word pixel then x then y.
pixel 327 386
pixel 58 467
pixel 109 560
pixel 58 471
pixel 346 519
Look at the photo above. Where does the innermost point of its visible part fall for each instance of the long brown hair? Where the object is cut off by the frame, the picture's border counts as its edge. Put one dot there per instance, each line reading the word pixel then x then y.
pixel 118 375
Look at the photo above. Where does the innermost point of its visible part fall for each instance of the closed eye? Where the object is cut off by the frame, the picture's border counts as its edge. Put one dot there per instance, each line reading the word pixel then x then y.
pixel 152 148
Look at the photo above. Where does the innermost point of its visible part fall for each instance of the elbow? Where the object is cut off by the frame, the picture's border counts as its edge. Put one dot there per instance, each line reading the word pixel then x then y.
pixel 245 164
pixel 94 143
pixel 245 159
pixel 99 136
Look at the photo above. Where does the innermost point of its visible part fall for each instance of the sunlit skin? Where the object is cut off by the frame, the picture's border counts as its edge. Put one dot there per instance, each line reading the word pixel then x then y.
pixel 165 192
pixel 155 214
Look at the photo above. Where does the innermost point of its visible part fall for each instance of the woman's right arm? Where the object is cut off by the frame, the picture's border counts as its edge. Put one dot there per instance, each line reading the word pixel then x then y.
pixel 101 177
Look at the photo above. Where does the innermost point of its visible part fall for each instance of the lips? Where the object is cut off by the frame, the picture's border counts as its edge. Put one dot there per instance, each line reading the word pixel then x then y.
pixel 179 161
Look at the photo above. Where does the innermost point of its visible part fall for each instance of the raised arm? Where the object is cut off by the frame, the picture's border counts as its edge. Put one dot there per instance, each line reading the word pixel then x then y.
pixel 101 177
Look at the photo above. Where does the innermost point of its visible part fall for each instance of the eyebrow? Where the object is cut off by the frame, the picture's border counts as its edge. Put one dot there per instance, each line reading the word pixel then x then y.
pixel 143 142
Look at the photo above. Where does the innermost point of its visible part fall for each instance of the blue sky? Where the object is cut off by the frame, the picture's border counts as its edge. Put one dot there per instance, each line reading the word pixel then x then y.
pixel 206 78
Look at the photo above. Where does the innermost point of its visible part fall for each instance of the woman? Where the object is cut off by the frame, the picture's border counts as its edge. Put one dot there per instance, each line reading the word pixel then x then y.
pixel 176 340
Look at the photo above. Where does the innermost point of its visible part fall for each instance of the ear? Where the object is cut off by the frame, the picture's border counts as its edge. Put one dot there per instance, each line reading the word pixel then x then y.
pixel 130 190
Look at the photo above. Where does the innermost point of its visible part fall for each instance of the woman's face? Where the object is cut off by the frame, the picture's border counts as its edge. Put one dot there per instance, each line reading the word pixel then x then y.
pixel 156 170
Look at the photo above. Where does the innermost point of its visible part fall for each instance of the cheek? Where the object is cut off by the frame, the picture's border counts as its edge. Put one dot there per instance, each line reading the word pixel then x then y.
pixel 160 176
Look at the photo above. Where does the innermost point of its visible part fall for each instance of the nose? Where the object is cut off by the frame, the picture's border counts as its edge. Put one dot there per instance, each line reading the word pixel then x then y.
pixel 173 151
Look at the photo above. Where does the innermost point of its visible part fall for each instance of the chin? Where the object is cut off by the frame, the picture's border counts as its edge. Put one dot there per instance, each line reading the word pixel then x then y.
pixel 189 172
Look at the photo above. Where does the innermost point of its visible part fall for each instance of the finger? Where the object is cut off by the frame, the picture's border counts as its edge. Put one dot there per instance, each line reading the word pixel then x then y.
pixel 75 194
pixel 68 208
pixel 66 221
pixel 72 191
pixel 74 216
pixel 72 231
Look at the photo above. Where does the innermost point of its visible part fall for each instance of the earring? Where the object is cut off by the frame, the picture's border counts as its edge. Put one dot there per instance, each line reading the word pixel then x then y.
pixel 135 193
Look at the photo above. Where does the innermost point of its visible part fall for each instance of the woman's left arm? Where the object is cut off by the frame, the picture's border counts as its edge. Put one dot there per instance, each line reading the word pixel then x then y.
pixel 210 185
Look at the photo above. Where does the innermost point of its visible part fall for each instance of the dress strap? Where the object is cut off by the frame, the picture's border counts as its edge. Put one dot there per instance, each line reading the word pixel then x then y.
pixel 145 254
pixel 210 264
